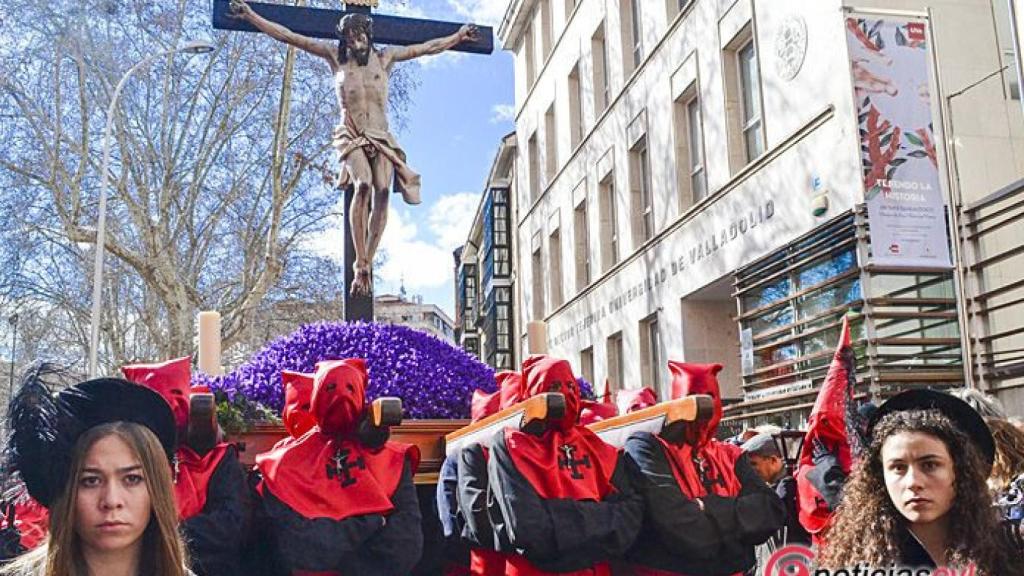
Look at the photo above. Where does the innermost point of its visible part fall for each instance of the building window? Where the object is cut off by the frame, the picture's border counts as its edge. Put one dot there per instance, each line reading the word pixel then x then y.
pixel 472 346
pixel 750 89
pixel 674 7
pixel 545 26
pixel 529 53
pixel 641 192
pixel 533 152
pixel 550 146
pixel 537 270
pixel 587 365
pixel 575 108
pixel 791 304
pixel 555 265
pixel 499 255
pixel 469 296
pixel 581 229
pixel 689 136
pixel 570 5
pixel 609 223
pixel 632 35
pixel 638 34
pixel 616 359
pixel 599 54
pixel 503 328
pixel 650 351
pixel 695 133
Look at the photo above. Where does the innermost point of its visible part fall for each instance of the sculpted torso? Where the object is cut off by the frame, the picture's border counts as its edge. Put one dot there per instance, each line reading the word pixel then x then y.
pixel 362 92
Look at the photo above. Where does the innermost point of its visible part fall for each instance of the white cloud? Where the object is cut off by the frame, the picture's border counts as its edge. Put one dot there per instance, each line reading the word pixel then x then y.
pixel 484 12
pixel 450 218
pixel 413 257
pixel 442 60
pixel 502 113
pixel 405 9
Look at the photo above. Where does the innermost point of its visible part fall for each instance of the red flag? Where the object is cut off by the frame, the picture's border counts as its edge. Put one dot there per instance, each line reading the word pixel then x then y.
pixel 830 445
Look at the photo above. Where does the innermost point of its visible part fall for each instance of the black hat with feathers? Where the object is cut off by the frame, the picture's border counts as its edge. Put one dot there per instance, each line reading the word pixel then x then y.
pixel 45 426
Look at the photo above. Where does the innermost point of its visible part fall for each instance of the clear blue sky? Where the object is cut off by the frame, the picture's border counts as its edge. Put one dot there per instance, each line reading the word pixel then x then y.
pixel 460 112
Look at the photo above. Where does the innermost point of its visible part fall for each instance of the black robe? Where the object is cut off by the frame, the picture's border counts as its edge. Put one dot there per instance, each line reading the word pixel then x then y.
pixel 216 535
pixel 385 545
pixel 456 550
pixel 560 535
pixel 794 530
pixel 678 537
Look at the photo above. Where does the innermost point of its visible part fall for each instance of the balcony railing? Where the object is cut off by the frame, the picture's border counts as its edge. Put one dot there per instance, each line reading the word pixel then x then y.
pixel 992 251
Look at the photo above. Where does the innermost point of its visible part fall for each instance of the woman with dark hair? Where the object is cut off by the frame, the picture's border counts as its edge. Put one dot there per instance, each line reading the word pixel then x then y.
pixel 98 457
pixel 918 497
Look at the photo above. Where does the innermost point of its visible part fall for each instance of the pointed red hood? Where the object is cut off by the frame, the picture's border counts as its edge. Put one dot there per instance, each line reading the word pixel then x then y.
pixel 510 388
pixel 171 379
pixel 690 379
pixel 826 457
pixel 547 374
pixel 298 397
pixel 633 400
pixel 483 404
pixel 339 395
pixel 509 392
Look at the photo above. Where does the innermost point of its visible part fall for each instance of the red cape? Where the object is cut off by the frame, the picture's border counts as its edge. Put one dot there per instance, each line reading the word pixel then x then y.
pixel 717 459
pixel 193 478
pixel 543 461
pixel 719 468
pixel 303 474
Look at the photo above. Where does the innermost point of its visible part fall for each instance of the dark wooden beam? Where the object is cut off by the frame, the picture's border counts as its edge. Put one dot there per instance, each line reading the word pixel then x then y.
pixel 358 307
pixel 320 23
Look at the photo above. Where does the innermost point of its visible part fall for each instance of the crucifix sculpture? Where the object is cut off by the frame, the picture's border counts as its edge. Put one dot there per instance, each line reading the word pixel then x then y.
pixel 373 164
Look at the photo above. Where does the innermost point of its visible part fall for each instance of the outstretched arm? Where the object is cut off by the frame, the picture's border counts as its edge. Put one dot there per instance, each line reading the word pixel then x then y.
pixel 241 9
pixel 435 46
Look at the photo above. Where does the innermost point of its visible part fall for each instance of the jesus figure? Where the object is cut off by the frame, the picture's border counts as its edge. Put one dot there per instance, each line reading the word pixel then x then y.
pixel 371 158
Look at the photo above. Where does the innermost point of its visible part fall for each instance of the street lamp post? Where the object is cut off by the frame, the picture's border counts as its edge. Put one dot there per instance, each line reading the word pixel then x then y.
pixel 194 47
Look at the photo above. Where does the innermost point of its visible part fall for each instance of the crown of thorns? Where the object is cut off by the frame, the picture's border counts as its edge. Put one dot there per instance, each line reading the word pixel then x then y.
pixel 354 23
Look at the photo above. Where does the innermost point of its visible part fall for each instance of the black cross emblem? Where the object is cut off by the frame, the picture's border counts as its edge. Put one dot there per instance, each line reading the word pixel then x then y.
pixel 342 466
pixel 568 462
pixel 708 477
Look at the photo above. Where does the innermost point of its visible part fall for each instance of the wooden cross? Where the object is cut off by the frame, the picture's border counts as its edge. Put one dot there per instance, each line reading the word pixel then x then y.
pixel 342 467
pixel 321 22
pixel 571 464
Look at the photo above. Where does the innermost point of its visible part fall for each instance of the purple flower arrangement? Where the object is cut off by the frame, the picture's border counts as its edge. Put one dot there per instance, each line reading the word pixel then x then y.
pixel 586 388
pixel 433 378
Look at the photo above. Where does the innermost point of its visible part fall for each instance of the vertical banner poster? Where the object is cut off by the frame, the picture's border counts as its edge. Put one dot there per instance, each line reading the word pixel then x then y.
pixel 889 60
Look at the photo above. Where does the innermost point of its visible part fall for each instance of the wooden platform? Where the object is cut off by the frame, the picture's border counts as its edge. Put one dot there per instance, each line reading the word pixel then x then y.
pixel 427 434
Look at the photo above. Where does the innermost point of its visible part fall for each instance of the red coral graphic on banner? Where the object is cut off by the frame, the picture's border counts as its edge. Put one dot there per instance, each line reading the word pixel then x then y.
pixel 881 142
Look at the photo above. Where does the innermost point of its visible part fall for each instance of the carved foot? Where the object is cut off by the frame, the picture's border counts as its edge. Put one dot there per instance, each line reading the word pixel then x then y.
pixel 362 283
